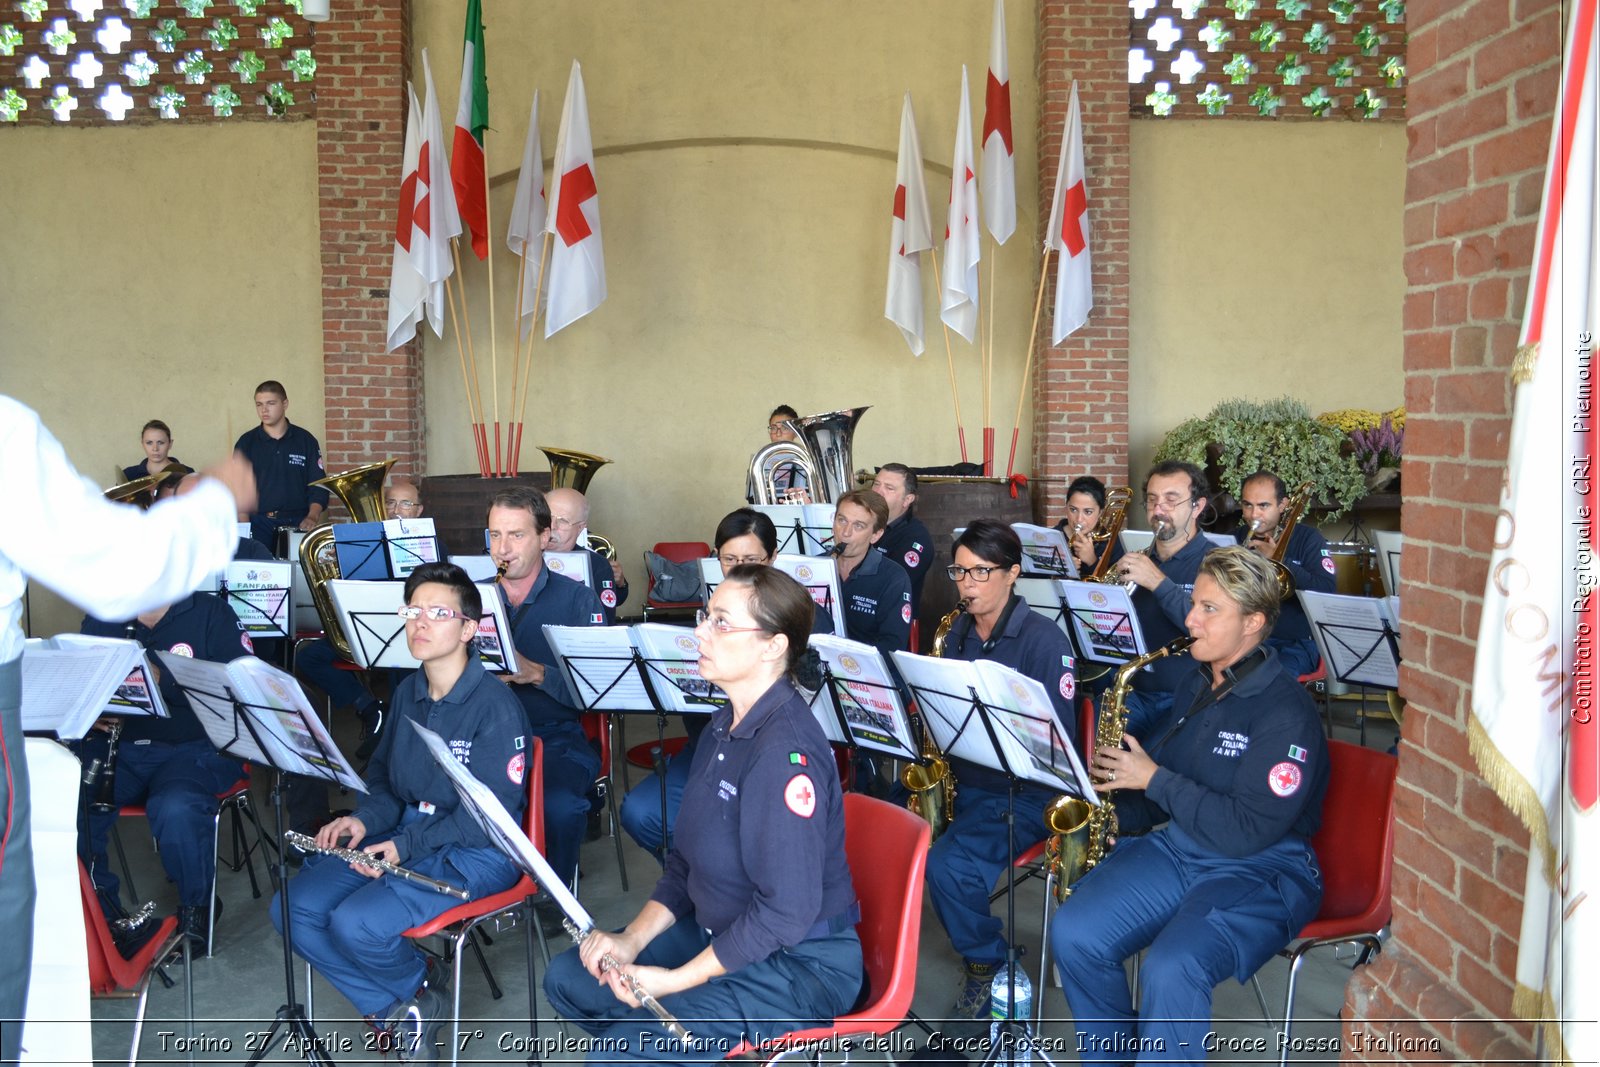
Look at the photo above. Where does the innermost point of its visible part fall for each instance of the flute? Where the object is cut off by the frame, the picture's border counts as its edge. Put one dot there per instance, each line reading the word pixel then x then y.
pixel 609 963
pixel 307 843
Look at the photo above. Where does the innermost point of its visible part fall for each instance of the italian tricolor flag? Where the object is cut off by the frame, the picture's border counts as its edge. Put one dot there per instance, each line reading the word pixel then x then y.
pixel 472 118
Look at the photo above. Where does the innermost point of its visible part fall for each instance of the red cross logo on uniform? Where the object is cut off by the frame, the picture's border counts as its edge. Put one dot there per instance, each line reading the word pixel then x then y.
pixel 800 797
pixel 1284 779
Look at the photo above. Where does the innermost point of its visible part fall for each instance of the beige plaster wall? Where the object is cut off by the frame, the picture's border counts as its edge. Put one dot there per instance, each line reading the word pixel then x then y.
pixel 1266 260
pixel 746 171
pixel 157 272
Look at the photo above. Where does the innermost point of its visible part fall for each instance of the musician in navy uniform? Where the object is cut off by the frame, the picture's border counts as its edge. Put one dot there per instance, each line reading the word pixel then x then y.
pixel 975 848
pixel 287 459
pixel 569 519
pixel 156 439
pixel 751 931
pixel 876 590
pixel 347 918
pixel 168 764
pixel 788 479
pixel 1264 498
pixel 1236 772
pixel 519 532
pixel 1086 499
pixel 905 539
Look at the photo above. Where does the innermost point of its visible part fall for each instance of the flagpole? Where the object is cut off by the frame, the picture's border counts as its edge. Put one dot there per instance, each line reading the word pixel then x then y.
pixel 533 329
pixel 1027 367
pixel 950 361
pixel 494 347
pixel 988 370
pixel 472 357
pixel 466 379
pixel 516 358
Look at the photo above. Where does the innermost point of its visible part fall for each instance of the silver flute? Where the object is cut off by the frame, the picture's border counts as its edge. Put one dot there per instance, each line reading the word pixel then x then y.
pixel 307 843
pixel 609 963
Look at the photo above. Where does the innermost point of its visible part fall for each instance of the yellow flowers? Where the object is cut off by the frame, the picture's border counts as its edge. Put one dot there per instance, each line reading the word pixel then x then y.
pixel 1346 420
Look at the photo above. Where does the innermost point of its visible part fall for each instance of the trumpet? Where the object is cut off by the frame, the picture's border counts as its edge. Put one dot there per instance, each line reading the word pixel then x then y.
pixel 609 963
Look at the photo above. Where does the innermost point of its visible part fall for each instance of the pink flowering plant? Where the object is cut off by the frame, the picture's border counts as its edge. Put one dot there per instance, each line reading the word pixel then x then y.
pixel 1379 447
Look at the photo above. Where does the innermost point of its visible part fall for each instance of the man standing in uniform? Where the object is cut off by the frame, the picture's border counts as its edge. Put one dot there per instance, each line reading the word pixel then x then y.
pixel 905 539
pixel 1264 497
pixel 569 518
pixel 876 590
pixel 519 533
pixel 169 765
pixel 287 459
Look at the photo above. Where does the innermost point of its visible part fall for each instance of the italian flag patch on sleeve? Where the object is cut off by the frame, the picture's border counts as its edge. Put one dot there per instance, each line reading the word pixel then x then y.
pixel 797 758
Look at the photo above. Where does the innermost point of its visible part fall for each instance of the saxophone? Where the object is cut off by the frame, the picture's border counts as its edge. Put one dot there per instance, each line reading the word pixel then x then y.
pixel 932 786
pixel 1081 832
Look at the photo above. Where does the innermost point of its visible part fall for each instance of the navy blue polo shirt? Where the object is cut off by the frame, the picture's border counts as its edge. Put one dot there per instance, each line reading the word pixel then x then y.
pixel 877 604
pixel 611 595
pixel 1162 613
pixel 200 626
pixel 1031 645
pixel 553 601
pixel 758 848
pixel 907 541
pixel 140 470
pixel 1311 567
pixel 285 468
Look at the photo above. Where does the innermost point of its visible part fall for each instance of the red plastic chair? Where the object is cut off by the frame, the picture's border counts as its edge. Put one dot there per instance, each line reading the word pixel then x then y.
pixel 111 976
pixel 1355 848
pixel 677 552
pixel 888 850
pixel 597 727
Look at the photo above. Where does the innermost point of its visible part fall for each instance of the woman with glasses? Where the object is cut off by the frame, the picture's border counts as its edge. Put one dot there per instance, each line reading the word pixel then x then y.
pixel 347 918
pixel 975 849
pixel 744 538
pixel 751 931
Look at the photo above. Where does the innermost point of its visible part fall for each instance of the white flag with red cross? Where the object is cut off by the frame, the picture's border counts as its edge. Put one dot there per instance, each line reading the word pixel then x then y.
pixel 577 260
pixel 999 161
pixel 958 305
pixel 910 234
pixel 1069 231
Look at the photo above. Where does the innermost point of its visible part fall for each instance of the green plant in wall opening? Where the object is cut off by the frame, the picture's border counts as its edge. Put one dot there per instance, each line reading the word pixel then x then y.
pixel 1342 71
pixel 1214 100
pixel 1163 100
pixel 1318 101
pixel 1238 69
pixel 1318 39
pixel 1393 10
pixel 1291 70
pixel 1277 435
pixel 11 104
pixel 1266 101
pixel 1293 9
pixel 10 38
pixel 32 10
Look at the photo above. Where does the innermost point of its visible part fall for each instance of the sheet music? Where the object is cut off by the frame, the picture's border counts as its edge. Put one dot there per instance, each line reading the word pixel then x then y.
pixel 1044 549
pixel 672 659
pixel 67 684
pixel 1135 540
pixel 1104 625
pixel 1044 597
pixel 1354 635
pixel 410 544
pixel 135 695
pixel 803 529
pixel 873 708
pixel 258 593
pixel 710 575
pixel 492 816
pixel 369 616
pixel 573 566
pixel 479 568
pixel 1390 545
pixel 359 548
pixel 820 576
pixel 1218 540
pixel 599 668
pixel 1030 730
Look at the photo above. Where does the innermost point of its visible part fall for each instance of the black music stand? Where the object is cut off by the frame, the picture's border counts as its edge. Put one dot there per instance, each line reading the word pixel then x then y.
pixel 244 733
pixel 857 724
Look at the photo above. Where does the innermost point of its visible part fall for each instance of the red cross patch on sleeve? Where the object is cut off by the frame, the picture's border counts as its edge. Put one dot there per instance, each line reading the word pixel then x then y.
pixel 800 797
pixel 1284 779
pixel 515 767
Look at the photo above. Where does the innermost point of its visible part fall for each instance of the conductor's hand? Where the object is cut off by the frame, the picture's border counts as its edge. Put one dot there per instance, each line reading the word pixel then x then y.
pixel 1140 569
pixel 239 478
pixel 599 943
pixel 383 850
pixel 528 672
pixel 1116 768
pixel 346 826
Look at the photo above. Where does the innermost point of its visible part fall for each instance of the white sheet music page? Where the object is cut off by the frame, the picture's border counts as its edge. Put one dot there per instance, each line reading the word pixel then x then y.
pixel 598 664
pixel 672 662
pixel 871 700
pixel 571 565
pixel 820 576
pixel 1035 739
pixel 66 684
pixel 1104 624
pixel 1044 549
pixel 1350 633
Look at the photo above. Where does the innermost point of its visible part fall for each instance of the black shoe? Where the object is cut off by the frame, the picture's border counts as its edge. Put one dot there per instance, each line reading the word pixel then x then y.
pixel 550 917
pixel 594 829
pixel 195 924
pixel 417 1027
pixel 372 721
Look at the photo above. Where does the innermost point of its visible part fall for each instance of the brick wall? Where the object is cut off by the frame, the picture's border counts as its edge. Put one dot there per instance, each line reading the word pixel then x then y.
pixel 373 397
pixel 1080 389
pixel 1484 80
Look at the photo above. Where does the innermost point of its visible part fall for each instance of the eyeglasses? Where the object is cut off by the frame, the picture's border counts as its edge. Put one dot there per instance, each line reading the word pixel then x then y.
pixel 778 427
pixel 562 524
pixel 1171 500
pixel 435 613
pixel 979 574
pixel 401 505
pixel 738 561
pixel 721 625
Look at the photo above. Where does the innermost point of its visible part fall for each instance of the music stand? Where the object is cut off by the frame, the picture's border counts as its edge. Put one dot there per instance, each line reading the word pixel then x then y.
pixel 258 593
pixel 864 707
pixel 260 731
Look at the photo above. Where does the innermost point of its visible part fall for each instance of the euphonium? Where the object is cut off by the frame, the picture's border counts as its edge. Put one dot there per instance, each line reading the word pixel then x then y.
pixel 1082 832
pixel 361 490
pixel 932 786
pixel 764 466
pixel 570 469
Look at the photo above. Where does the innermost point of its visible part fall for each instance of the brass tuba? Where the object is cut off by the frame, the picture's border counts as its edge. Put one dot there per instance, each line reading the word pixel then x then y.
pixel 361 490
pixel 764 467
pixel 570 469
pixel 932 786
pixel 1081 832
pixel 822 453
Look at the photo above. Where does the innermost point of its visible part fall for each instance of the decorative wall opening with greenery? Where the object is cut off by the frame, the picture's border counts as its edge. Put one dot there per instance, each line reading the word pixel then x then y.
pixel 1285 59
pixel 105 62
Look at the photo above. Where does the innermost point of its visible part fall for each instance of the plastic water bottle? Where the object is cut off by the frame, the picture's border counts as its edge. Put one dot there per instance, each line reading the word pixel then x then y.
pixel 1002 992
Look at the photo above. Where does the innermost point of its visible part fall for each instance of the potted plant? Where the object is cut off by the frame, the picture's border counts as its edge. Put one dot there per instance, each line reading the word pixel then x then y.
pixel 1239 437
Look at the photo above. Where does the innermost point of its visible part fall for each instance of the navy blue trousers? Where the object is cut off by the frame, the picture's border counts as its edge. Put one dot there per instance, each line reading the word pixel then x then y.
pixel 641 808
pixel 792 989
pixel 314 662
pixel 570 767
pixel 178 785
pixel 969 858
pixel 348 926
pixel 1203 917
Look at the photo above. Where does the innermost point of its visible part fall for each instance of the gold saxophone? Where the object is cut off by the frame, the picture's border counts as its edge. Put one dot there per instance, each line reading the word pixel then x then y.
pixel 1081 832
pixel 932 786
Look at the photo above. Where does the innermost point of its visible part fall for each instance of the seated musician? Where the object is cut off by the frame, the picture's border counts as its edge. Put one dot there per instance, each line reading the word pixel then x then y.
pixel 788 479
pixel 346 917
pixel 974 849
pixel 1174 499
pixel 519 531
pixel 906 539
pixel 1086 499
pixel 1264 498
pixel 157 441
pixel 1237 773
pixel 743 537
pixel 569 518
pixel 876 589
pixel 750 932
pixel 169 764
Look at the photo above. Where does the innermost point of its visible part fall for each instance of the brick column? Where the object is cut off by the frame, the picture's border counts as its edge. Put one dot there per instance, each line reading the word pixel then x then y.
pixel 373 397
pixel 1478 117
pixel 1080 389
